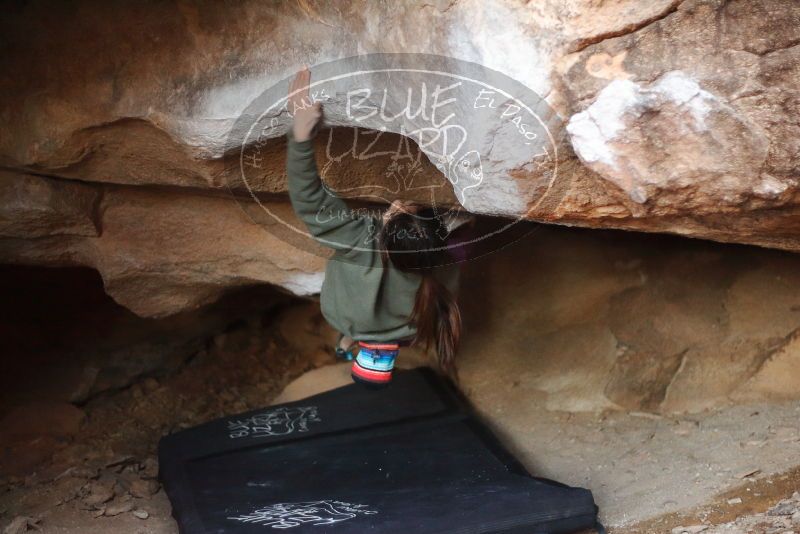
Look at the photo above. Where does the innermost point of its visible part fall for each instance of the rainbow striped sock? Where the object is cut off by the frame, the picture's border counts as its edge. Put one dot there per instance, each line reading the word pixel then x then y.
pixel 374 363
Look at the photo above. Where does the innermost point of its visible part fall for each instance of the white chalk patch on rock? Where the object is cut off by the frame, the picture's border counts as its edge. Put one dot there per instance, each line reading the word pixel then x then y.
pixel 591 130
pixel 684 91
pixel 672 136
pixel 208 138
pixel 513 50
pixel 304 284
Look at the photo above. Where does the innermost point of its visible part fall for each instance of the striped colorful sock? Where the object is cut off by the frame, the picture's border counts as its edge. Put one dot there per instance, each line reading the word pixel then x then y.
pixel 374 364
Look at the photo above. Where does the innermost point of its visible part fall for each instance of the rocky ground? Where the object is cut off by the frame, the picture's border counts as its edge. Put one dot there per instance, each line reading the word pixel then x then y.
pixel 783 518
pixel 103 478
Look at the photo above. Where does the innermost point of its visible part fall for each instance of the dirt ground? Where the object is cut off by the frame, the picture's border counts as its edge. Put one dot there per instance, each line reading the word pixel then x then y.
pixel 105 479
pixel 641 465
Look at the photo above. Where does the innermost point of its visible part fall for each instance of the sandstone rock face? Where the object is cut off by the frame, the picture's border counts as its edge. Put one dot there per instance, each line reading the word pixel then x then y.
pixel 34 207
pixel 669 116
pixel 622 136
pixel 593 321
pixel 681 134
pixel 159 253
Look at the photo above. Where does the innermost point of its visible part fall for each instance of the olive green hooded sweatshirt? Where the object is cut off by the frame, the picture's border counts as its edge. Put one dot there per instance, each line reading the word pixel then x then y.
pixel 360 297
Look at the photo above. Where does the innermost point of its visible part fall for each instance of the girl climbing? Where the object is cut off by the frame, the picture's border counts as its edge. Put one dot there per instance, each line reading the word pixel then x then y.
pixel 390 281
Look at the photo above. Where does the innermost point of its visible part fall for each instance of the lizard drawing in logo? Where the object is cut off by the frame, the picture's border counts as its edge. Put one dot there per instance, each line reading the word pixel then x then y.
pixel 464 173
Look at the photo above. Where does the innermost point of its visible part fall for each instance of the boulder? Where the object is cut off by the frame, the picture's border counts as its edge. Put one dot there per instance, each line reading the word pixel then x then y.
pixel 674 116
pixel 32 207
pixel 591 321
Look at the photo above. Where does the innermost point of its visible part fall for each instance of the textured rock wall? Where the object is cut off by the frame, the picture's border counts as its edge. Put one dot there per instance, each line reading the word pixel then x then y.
pixel 601 320
pixel 679 116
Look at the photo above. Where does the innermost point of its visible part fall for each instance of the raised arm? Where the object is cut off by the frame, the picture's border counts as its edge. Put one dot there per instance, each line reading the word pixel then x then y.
pixel 325 215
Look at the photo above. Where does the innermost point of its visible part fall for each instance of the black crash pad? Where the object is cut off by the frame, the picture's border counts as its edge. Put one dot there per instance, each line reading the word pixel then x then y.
pixel 411 458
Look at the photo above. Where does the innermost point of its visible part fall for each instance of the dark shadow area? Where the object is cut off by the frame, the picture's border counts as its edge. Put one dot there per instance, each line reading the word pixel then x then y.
pixel 65 339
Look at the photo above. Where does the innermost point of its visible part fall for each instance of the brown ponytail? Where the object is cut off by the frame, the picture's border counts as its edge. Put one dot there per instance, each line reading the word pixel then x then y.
pixel 438 321
pixel 413 244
